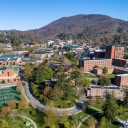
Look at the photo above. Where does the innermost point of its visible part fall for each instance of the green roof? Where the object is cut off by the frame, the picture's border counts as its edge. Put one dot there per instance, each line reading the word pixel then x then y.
pixel 14 68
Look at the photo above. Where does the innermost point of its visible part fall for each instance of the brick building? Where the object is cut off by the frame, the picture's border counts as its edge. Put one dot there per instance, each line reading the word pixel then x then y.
pixel 103 91
pixel 114 51
pixel 120 62
pixel 121 80
pixel 89 64
pixel 9 74
pixel 99 71
pixel 99 53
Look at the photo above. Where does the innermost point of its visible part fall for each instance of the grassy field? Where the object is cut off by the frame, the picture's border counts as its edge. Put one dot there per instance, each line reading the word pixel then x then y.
pixel 111 76
pixel 91 76
pixel 16 123
pixel 98 106
pixel 66 103
pixel 34 114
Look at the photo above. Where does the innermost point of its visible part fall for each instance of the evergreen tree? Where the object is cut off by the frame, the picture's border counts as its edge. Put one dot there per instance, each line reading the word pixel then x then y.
pixel 105 70
pixel 125 101
pixel 110 108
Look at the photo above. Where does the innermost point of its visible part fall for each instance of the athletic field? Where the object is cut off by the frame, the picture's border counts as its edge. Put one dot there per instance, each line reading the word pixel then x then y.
pixel 7 94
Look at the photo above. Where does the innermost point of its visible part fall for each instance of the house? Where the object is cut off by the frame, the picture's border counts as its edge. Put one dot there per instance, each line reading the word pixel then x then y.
pixel 52 82
pixel 25 43
pixel 65 68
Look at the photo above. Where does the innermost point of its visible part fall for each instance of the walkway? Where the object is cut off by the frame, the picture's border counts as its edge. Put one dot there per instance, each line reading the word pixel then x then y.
pixel 32 122
pixel 81 122
pixel 99 111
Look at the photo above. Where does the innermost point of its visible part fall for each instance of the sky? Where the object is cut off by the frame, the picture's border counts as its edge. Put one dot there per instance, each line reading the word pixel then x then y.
pixel 33 14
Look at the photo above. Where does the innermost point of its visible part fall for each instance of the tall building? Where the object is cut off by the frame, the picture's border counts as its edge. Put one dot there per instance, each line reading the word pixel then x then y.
pixel 114 51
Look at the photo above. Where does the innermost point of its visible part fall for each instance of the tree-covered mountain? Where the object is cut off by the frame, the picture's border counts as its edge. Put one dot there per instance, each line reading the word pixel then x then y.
pixel 94 28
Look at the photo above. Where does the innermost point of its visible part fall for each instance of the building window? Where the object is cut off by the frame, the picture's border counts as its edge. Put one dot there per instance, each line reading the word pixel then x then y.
pixel 8 74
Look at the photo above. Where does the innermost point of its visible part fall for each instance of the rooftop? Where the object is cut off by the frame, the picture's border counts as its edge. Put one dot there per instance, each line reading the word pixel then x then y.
pixel 116 45
pixel 122 75
pixel 95 59
pixel 105 87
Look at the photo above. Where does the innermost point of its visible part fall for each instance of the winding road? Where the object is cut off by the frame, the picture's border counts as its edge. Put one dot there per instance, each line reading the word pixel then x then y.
pixel 36 104
pixel 33 102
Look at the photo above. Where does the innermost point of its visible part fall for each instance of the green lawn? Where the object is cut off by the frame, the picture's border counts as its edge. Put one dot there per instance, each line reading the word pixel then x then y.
pixel 65 103
pixel 91 76
pixel 34 114
pixel 111 75
pixel 114 124
pixel 16 123
pixel 98 106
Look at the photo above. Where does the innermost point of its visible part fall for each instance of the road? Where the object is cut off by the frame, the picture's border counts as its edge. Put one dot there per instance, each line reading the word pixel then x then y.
pixel 36 104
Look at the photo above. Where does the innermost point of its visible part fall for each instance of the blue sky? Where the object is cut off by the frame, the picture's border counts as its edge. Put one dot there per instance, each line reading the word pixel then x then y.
pixel 32 14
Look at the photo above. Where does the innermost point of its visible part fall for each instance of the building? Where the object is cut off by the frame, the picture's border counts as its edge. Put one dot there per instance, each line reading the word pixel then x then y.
pixel 99 71
pixel 42 53
pixel 103 91
pixel 99 53
pixel 120 62
pixel 70 47
pixel 65 68
pixel 9 74
pixel 121 80
pixel 35 62
pixel 88 65
pixel 10 59
pixel 114 51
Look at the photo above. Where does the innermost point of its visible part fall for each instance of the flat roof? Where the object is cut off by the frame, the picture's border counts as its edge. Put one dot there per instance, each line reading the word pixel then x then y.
pixel 105 87
pixel 95 59
pixel 122 75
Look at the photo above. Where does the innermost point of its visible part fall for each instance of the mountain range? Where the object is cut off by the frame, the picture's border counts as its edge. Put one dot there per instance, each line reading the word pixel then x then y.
pixel 92 27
